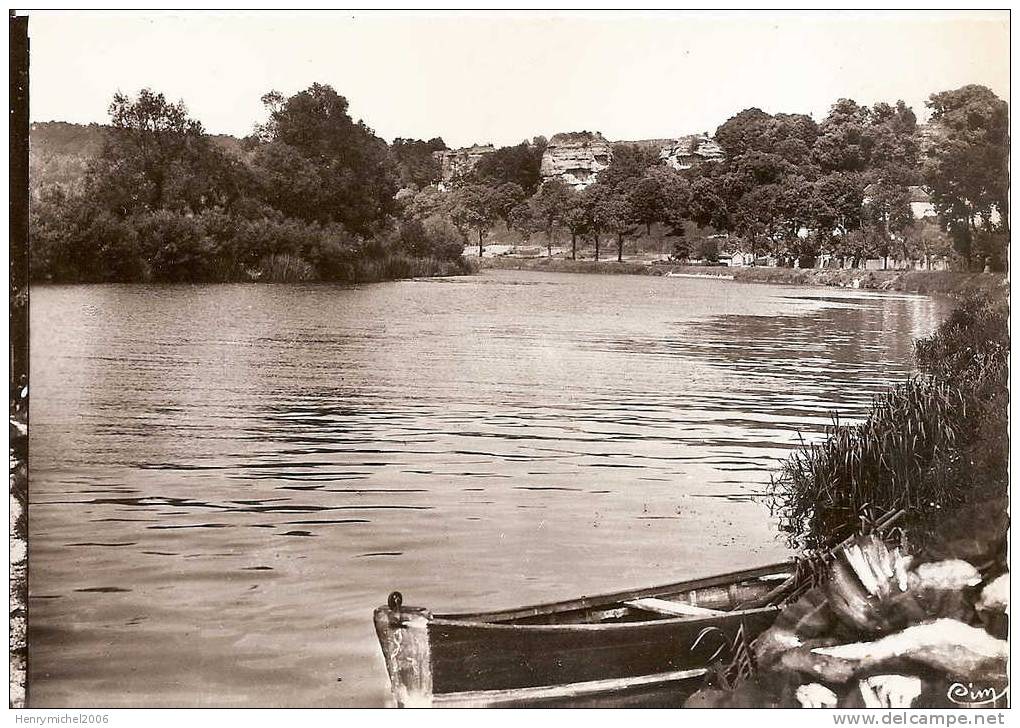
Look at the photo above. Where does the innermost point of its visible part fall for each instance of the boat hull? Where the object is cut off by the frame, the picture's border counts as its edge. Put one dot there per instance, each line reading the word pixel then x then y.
pixel 468 656
pixel 649 647
pixel 658 663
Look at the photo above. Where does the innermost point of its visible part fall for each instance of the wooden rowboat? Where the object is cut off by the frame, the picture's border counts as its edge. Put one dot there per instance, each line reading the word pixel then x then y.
pixel 641 648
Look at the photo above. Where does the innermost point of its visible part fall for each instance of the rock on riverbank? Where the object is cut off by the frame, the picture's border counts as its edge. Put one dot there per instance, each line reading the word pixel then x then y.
pixel 887 627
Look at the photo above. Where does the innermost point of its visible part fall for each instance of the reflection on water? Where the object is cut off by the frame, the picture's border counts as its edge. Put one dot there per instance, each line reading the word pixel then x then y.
pixel 227 479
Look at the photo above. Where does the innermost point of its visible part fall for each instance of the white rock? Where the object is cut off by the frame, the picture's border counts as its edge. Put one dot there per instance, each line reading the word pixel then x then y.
pixel 814 695
pixel 995 595
pixel 953 574
pixel 947 645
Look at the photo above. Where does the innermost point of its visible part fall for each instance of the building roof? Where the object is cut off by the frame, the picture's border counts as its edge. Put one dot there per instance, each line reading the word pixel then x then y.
pixel 918 194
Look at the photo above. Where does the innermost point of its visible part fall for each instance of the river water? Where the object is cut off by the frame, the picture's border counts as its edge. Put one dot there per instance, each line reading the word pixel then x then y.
pixel 226 480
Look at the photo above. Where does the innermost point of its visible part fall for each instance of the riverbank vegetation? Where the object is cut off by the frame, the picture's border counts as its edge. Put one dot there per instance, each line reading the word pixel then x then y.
pixel 959 284
pixel 311 195
pixel 928 446
pixel 887 613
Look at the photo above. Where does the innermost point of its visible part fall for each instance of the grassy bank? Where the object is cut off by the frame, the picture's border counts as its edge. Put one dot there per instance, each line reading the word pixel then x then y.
pixel 914 281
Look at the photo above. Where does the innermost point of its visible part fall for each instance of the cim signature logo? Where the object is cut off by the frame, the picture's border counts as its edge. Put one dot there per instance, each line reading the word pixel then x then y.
pixel 969 695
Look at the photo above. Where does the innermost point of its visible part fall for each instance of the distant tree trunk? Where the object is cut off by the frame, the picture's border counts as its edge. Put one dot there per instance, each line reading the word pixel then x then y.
pixel 548 243
pixel 479 242
pixel 648 229
pixel 619 247
pixel 596 247
pixel 573 246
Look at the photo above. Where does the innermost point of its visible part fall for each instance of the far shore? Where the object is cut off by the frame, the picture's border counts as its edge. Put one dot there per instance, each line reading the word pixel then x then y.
pixel 954 283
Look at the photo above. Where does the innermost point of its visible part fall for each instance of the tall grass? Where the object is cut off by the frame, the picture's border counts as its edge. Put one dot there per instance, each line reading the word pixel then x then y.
pixel 927 446
pixel 395 266
pixel 286 268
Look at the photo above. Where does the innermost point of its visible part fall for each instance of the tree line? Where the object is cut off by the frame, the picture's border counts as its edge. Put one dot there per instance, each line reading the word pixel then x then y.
pixel 314 195
pixel 788 187
pixel 310 195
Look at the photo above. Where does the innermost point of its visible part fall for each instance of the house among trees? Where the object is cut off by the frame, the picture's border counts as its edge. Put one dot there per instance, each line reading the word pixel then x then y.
pixel 921 206
pixel 920 203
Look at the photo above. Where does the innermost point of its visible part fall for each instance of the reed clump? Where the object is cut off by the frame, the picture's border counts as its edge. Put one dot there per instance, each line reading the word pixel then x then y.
pixel 929 445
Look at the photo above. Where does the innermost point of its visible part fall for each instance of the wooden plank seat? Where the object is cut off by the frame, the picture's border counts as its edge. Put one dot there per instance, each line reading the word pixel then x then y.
pixel 670 608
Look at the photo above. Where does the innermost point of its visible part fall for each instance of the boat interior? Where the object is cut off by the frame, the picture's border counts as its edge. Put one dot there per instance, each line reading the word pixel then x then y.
pixel 696 599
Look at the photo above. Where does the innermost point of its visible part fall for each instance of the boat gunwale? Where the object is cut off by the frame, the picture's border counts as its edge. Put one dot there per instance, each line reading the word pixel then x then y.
pixel 599 627
pixel 602 600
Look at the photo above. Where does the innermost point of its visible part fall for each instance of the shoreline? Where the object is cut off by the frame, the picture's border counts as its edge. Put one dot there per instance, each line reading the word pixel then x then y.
pixel 952 283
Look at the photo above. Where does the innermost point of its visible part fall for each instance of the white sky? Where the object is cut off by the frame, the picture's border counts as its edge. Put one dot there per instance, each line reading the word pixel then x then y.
pixel 506 77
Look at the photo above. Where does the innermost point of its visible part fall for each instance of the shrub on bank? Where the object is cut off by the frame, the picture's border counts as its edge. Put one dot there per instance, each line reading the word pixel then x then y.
pixel 927 446
pixel 75 242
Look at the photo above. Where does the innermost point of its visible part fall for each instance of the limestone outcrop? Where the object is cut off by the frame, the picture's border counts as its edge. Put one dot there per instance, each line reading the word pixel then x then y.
pixel 576 157
pixel 454 163
pixel 690 151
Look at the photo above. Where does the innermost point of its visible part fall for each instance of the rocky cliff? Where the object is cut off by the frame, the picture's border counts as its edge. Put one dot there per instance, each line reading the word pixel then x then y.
pixel 691 150
pixel 454 163
pixel 576 157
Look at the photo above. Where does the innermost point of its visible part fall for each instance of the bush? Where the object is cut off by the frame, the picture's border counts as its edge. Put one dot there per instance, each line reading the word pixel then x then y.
pixel 72 240
pixel 928 446
pixel 446 239
pixel 175 246
pixel 433 237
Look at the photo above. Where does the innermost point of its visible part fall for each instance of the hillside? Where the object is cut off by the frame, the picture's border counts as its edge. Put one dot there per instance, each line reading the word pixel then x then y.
pixel 59 151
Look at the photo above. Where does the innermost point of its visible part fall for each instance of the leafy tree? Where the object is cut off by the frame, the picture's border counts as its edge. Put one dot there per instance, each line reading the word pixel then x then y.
pixel 355 174
pixel 707 249
pixel 287 180
pixel 605 211
pixel 630 162
pixel 682 249
pixel 893 139
pixel 156 157
pixel 838 201
pixel 177 248
pixel 475 208
pixel 520 165
pixel 525 221
pixel 887 207
pixel 676 195
pixel 844 143
pixel 925 240
pixel 743 132
pixel 575 220
pixel 708 205
pixel 619 221
pixel 550 206
pixel 445 240
pixel 415 163
pixel 758 218
pixel 73 240
pixel 413 238
pixel 427 203
pixel 647 202
pixel 505 198
pixel 966 166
